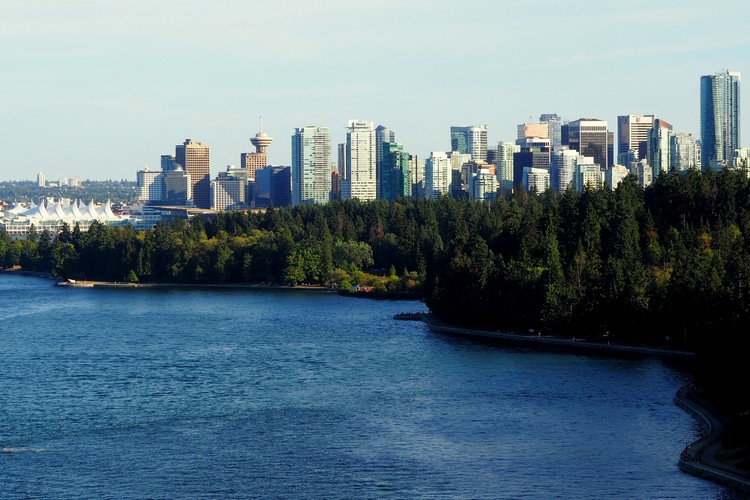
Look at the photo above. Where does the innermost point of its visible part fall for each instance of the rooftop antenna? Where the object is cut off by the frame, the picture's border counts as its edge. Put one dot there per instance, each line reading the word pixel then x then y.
pixel 260 118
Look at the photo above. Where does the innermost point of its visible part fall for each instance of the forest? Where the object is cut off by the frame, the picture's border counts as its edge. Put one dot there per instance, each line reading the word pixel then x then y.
pixel 667 266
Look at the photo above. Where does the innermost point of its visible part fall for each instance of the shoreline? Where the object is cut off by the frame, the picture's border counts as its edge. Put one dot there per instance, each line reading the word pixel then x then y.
pixel 241 286
pixel 699 458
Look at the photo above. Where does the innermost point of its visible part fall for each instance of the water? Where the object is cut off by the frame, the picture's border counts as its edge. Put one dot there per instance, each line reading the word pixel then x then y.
pixel 234 394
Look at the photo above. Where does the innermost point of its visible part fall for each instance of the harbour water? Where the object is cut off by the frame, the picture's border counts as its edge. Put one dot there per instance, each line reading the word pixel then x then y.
pixel 210 393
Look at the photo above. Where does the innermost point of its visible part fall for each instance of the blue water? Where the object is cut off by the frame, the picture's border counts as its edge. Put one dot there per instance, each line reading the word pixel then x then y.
pixel 245 393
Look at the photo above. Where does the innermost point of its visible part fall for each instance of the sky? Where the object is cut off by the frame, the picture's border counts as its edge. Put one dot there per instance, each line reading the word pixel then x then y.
pixel 98 90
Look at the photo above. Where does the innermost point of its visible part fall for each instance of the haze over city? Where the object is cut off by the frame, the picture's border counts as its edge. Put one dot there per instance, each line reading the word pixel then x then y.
pixel 98 90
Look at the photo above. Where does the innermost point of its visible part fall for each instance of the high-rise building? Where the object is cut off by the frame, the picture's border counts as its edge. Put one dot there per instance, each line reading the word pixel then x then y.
pixel 632 130
pixel 395 176
pixel 525 130
pixel 562 168
pixel 311 165
pixel 720 118
pixel 40 182
pixel 659 151
pixel 194 158
pixel 505 151
pixel 251 162
pixel 273 186
pixel 554 129
pixel 686 152
pixel 360 181
pixel 614 176
pixel 150 185
pixel 416 172
pixel 534 152
pixel 590 137
pixel 588 174
pixel 437 169
pixel 484 184
pixel 383 135
pixel 229 189
pixel 168 163
pixel 178 188
pixel 470 140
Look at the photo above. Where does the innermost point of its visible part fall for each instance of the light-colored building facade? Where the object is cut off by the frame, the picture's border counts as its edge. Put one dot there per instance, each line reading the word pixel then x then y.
pixel 632 131
pixel 505 151
pixel 150 185
pixel 484 184
pixel 659 149
pixel 562 168
pixel 360 181
pixel 588 174
pixel 686 152
pixel 437 172
pixel 311 165
pixel 614 175
pixel 471 140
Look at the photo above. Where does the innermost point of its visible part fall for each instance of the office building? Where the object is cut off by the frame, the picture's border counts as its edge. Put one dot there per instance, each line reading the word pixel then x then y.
pixel 589 136
pixel 150 185
pixel 178 188
pixel 194 158
pixel 720 117
pixel 360 181
pixel 470 140
pixel 588 174
pixel 534 152
pixel 484 184
pixel 632 130
pixel 525 130
pixel 311 165
pixel 554 129
pixel 614 176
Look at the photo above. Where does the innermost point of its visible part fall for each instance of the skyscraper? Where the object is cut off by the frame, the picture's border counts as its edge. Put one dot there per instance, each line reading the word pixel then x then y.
pixel 632 130
pixel 383 135
pixel 311 165
pixel 470 140
pixel 194 158
pixel 720 117
pixel 590 137
pixel 360 181
pixel 505 151
pixel 659 152
pixel 686 152
pixel 437 169
pixel 396 179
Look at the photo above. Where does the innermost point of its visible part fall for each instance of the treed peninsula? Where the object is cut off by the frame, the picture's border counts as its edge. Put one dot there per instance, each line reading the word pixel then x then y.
pixel 668 266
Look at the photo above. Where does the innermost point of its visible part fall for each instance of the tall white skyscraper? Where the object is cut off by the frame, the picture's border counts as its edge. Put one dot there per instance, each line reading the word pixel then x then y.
pixel 505 152
pixel 562 168
pixel 361 178
pixel 437 173
pixel 311 165
pixel 659 147
pixel 720 118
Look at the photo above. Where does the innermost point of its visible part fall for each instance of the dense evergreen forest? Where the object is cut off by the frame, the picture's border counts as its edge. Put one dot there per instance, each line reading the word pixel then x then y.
pixel 667 266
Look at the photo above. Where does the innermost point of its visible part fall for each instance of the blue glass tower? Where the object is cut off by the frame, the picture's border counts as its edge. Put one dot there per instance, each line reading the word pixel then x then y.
pixel 720 118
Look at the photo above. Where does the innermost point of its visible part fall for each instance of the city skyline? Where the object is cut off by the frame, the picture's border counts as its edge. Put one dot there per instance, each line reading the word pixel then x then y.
pixel 83 79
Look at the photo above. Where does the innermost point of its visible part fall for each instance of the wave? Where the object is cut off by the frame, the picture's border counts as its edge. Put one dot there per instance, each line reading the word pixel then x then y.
pixel 23 450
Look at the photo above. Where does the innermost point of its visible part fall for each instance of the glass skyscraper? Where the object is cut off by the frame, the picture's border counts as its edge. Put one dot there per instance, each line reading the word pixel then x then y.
pixel 720 118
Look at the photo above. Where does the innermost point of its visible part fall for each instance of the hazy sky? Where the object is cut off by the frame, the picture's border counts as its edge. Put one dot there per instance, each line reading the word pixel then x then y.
pixel 98 89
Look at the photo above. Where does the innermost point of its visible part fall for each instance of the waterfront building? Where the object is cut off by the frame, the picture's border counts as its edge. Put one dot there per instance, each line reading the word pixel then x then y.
pixel 590 137
pixel 195 160
pixel 395 176
pixel 50 215
pixel 658 149
pixel 686 152
pixel 632 131
pixel 720 117
pixel 150 185
pixel 311 166
pixel 505 152
pixel 470 140
pixel 437 172
pixel 562 168
pixel 360 181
